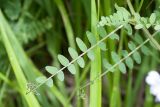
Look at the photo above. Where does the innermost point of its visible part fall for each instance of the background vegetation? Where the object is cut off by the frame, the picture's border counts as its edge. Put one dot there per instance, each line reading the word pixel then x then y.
pixel 34 32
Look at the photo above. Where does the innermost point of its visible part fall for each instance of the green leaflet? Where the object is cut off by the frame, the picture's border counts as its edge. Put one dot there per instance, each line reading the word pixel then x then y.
pixel 122 67
pixel 138 38
pixel 63 60
pixel 73 53
pixel 102 46
pixel 90 55
pixel 157 27
pixel 101 31
pixel 60 76
pixel 152 18
pixel 107 65
pixel 81 45
pixel 124 12
pixel 139 26
pixel 41 79
pixel 128 61
pixel 131 45
pixel 137 57
pixel 115 57
pixel 12 9
pixel 145 50
pixel 128 28
pixel 49 82
pixel 114 36
pixel 72 69
pixel 81 62
pixel 52 70
pixel 91 37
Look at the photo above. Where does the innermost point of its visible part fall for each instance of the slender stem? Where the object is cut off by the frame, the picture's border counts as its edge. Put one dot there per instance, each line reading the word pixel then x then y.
pixel 144 29
pixel 101 75
pixel 77 58
pixel 131 7
pixel 140 6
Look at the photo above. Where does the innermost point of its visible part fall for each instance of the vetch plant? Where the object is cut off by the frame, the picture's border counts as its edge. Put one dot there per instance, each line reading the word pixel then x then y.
pixel 45 44
pixel 120 19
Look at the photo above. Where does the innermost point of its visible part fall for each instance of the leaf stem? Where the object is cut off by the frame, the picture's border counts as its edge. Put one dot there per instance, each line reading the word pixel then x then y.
pixel 144 29
pixel 101 75
pixel 77 58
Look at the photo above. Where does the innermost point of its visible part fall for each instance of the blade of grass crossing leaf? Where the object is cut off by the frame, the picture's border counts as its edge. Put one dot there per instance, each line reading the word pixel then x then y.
pixel 31 100
pixel 95 98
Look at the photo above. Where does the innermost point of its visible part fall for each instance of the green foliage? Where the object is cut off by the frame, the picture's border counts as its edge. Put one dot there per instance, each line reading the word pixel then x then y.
pixel 128 61
pixel 60 76
pixel 32 26
pixel 52 70
pixel 114 36
pixel 91 38
pixel 63 60
pixel 41 79
pixel 72 69
pixel 81 45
